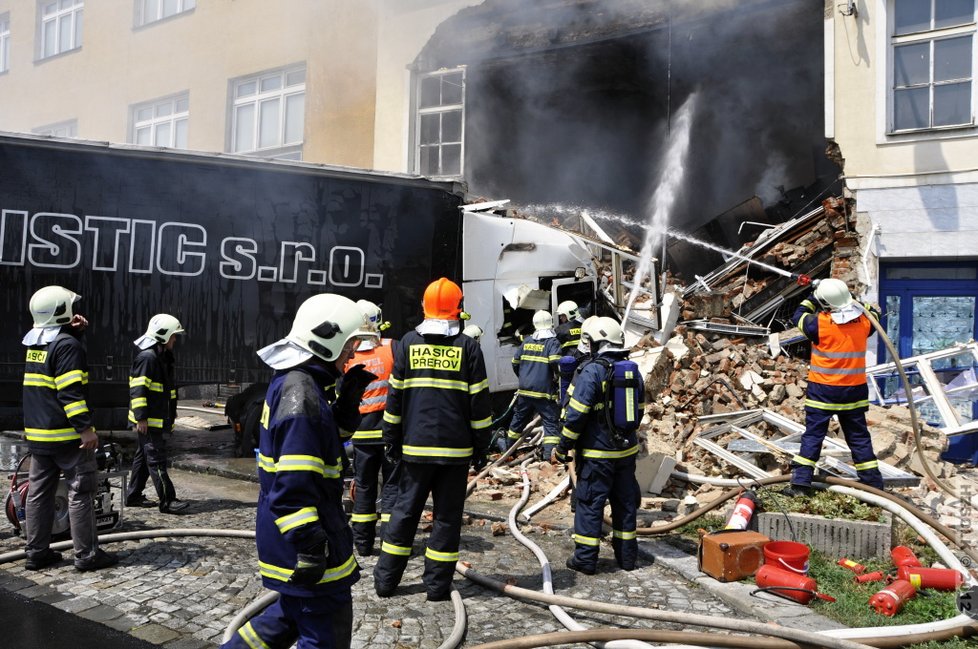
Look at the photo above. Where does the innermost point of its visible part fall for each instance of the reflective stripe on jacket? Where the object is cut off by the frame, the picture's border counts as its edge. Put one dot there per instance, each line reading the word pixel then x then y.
pixel 300 472
pixel 55 393
pixel 379 361
pixel 839 356
pixel 569 335
pixel 438 408
pixel 152 391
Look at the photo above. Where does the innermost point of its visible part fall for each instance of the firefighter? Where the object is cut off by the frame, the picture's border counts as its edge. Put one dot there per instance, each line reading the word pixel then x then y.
pixel 838 329
pixel 59 432
pixel 369 459
pixel 305 545
pixel 604 454
pixel 535 363
pixel 569 327
pixel 436 422
pixel 152 411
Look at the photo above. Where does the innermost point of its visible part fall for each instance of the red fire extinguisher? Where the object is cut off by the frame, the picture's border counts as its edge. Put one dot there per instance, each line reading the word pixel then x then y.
pixel 781 582
pixel 891 599
pixel 936 578
pixel 903 556
pixel 870 576
pixel 857 568
pixel 743 511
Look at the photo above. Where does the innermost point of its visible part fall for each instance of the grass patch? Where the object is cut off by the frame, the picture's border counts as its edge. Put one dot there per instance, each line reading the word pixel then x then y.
pixel 822 503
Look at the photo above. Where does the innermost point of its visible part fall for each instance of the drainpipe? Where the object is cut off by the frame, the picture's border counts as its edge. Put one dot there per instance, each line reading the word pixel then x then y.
pixel 873 233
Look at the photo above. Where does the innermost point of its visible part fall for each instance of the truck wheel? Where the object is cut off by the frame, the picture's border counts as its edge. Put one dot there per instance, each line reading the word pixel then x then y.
pixel 249 431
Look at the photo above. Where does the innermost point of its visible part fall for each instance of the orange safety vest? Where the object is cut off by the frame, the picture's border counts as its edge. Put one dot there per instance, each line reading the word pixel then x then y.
pixel 379 361
pixel 839 358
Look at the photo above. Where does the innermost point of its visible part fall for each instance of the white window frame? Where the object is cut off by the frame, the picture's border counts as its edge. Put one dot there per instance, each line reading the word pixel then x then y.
pixel 163 112
pixel 4 42
pixel 437 110
pixel 888 42
pixel 67 128
pixel 281 148
pixel 142 9
pixel 74 12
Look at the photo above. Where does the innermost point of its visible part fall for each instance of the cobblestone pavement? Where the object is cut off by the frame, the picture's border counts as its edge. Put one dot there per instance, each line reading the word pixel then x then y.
pixel 182 592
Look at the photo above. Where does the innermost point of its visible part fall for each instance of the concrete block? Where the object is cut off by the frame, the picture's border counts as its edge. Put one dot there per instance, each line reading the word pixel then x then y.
pixel 652 471
pixel 831 536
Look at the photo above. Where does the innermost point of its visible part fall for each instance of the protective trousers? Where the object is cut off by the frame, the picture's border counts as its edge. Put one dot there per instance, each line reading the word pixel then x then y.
pixel 369 462
pixel 600 481
pixel 150 461
pixel 853 423
pixel 523 412
pixel 80 471
pixel 446 484
pixel 316 622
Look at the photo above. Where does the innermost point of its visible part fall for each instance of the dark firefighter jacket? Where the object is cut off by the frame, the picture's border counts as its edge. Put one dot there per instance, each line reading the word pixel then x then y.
pixel 152 391
pixel 535 363
pixel 56 394
pixel 569 335
pixel 438 407
pixel 379 361
pixel 299 469
pixel 837 380
pixel 586 428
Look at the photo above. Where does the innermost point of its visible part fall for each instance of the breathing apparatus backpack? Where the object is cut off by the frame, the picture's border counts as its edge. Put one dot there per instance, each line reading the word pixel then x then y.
pixel 623 396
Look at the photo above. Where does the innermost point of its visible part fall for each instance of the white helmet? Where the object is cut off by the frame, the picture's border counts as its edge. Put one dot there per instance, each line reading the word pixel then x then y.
pixel 51 306
pixel 603 329
pixel 160 329
pixel 325 323
pixel 473 331
pixel 374 316
pixel 832 294
pixel 568 309
pixel 542 321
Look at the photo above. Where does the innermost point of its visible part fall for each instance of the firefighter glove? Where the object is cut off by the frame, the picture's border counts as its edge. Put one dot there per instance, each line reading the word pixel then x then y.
pixel 393 453
pixel 354 382
pixel 560 456
pixel 479 460
pixel 309 567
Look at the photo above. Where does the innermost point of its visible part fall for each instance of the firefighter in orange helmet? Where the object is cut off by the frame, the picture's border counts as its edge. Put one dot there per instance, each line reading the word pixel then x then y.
pixel 837 328
pixel 436 423
pixel 369 460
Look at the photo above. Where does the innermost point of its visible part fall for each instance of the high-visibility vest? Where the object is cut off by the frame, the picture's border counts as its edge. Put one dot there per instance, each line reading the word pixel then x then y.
pixel 379 361
pixel 839 357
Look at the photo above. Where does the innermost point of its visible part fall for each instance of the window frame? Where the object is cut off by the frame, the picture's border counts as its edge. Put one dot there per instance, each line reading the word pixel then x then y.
pixel 283 149
pixel 70 126
pixel 891 41
pixel 4 42
pixel 441 109
pixel 135 125
pixel 139 7
pixel 75 11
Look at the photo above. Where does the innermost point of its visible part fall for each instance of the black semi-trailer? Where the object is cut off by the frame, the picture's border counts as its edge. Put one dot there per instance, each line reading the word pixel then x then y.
pixel 229 245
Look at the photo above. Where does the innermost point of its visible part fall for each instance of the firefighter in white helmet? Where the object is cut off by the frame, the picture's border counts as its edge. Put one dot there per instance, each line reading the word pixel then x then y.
pixel 474 332
pixel 837 328
pixel 569 327
pixel 152 411
pixel 535 363
pixel 605 403
pixel 59 431
pixel 305 545
pixel 369 460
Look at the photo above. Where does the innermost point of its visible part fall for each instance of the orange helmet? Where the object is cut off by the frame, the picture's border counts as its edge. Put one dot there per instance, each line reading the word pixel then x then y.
pixel 442 300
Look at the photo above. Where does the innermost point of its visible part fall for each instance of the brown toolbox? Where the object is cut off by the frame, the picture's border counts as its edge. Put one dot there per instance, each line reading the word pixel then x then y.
pixel 731 555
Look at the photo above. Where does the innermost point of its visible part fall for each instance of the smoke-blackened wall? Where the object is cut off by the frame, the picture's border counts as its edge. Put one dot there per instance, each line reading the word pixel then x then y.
pixel 571 101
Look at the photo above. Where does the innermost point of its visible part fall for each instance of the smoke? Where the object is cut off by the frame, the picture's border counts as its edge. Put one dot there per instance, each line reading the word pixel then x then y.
pixel 564 97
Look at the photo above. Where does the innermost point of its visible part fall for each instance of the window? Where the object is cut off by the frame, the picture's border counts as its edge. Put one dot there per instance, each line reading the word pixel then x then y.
pixel 60 27
pixel 933 59
pixel 161 123
pixel 4 42
pixel 440 123
pixel 68 128
pixel 268 113
pixel 150 11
